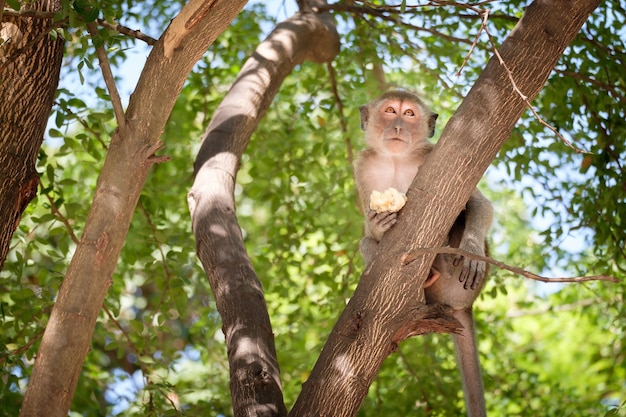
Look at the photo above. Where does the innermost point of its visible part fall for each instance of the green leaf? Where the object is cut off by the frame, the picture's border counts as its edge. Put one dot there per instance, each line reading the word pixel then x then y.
pixel 14 4
pixel 55 133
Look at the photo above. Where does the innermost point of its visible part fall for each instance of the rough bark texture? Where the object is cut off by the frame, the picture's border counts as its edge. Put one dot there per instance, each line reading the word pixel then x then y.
pixel 29 74
pixel 255 381
pixel 67 337
pixel 390 290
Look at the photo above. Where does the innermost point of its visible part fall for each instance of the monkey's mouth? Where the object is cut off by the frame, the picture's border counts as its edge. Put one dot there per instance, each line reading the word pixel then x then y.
pixel 396 140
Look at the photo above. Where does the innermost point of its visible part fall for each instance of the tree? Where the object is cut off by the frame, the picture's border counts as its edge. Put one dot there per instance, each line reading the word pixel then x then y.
pixel 293 187
pixel 29 71
pixel 131 153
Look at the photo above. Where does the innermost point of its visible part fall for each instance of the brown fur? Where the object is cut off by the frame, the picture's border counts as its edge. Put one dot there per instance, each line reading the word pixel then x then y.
pixel 397 126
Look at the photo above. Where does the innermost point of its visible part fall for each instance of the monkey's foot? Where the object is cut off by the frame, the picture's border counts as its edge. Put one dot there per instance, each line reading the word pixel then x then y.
pixel 433 276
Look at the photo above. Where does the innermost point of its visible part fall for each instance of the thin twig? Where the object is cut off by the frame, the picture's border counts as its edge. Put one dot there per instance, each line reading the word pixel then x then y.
pixel 551 308
pixel 137 34
pixel 142 364
pixel 473 6
pixel 611 88
pixel 132 346
pixel 342 117
pixel 18 352
pixel 61 217
pixel 133 33
pixel 116 101
pixel 410 257
pixel 485 16
pixel 166 270
pixel 525 98
pixel 85 125
pixel 386 15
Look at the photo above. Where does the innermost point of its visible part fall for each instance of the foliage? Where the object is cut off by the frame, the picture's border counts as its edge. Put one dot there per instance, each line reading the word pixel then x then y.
pixel 158 348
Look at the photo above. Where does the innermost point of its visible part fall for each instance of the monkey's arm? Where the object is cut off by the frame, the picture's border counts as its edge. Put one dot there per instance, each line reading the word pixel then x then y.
pixel 478 216
pixel 376 224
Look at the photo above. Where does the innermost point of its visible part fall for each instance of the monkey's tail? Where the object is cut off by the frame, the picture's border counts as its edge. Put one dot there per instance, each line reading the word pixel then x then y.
pixel 467 357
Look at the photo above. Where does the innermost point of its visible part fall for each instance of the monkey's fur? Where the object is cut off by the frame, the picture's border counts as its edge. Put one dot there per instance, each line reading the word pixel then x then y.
pixel 397 126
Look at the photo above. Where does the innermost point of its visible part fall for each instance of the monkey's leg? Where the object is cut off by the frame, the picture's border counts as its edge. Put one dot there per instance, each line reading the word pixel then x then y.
pixel 469 365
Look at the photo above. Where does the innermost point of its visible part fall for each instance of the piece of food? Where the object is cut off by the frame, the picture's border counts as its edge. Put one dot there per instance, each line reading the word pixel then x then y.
pixel 390 200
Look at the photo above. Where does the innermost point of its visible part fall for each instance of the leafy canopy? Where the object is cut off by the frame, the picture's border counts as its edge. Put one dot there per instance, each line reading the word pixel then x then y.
pixel 158 348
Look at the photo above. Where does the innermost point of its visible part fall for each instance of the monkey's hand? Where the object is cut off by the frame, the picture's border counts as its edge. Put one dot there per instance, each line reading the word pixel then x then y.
pixel 473 272
pixel 379 223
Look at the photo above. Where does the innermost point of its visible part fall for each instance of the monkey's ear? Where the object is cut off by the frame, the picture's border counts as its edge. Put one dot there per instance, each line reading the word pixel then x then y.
pixel 365 115
pixel 431 124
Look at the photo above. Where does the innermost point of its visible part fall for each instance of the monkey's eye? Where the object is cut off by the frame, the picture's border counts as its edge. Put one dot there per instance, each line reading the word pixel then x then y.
pixel 409 112
pixel 390 110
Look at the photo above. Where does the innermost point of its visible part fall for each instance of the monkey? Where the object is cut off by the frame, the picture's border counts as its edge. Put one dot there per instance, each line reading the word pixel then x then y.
pixel 397 126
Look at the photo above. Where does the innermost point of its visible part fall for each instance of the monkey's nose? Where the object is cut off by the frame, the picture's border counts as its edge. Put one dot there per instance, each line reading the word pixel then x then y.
pixel 398 129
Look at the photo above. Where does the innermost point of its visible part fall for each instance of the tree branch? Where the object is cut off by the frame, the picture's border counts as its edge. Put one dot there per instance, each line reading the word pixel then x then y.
pixel 38 14
pixel 525 97
pixel 133 33
pixel 61 217
pixel 109 80
pixel 164 292
pixel 551 308
pixel 483 25
pixel 409 257
pixel 484 17
pixel 383 14
pixel 340 109
pixel 124 30
pixel 20 350
pixel 614 89
pixel 256 388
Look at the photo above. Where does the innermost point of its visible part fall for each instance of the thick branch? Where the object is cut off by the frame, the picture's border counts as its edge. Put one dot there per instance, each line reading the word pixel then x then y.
pixel 255 380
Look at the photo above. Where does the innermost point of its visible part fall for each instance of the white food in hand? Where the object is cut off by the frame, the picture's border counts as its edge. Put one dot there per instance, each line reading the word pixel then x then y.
pixel 390 200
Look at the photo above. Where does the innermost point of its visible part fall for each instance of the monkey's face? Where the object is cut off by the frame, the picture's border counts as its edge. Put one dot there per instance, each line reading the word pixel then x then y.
pixel 400 125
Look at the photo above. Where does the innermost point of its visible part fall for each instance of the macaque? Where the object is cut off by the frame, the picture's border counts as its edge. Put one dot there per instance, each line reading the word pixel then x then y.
pixel 397 126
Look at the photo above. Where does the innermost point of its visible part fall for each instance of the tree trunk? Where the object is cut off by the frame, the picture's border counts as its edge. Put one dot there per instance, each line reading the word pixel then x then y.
pixel 30 62
pixel 382 312
pixel 66 340
pixel 255 381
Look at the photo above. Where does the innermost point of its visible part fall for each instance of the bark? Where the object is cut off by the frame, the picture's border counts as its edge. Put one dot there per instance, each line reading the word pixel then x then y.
pixel 255 381
pixel 66 340
pixel 30 63
pixel 381 313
